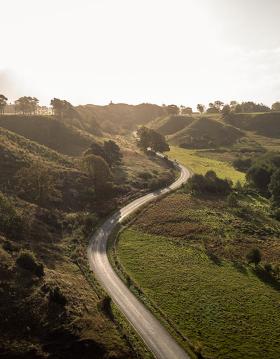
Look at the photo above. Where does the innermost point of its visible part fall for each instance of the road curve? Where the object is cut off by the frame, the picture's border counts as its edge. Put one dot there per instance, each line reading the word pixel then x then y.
pixel 156 337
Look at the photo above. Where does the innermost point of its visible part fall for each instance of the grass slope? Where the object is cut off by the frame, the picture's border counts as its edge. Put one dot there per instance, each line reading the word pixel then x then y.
pixel 170 124
pixel 206 133
pixel 263 124
pixel 199 163
pixel 49 132
pixel 188 257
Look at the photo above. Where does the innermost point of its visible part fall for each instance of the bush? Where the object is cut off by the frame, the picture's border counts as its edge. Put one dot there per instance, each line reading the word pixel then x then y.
pixel 208 184
pixel 254 256
pixel 106 306
pixel 27 260
pixel 232 200
pixel 145 175
pixel 57 296
pixel 242 164
pixel 11 223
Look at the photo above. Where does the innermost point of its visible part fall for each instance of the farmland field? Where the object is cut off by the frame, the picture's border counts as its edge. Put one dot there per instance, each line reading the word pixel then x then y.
pixel 195 160
pixel 193 267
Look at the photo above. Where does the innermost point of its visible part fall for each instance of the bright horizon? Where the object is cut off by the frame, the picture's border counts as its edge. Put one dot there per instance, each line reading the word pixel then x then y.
pixel 183 52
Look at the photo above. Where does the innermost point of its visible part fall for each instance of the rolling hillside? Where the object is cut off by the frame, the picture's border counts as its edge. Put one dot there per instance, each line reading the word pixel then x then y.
pixel 120 118
pixel 265 124
pixel 49 132
pixel 170 124
pixel 206 133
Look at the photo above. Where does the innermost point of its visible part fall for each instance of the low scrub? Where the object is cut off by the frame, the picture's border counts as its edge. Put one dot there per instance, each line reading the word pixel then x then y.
pixel 208 184
pixel 27 260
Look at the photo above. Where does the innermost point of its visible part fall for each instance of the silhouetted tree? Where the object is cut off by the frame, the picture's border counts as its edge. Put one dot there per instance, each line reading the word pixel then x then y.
pixel 62 108
pixel 99 171
pixel 112 152
pixel 3 103
pixel 226 110
pixel 254 256
pixel 186 110
pixel 26 105
pixel 150 138
pixel 259 175
pixel 250 106
pixel 200 108
pixel 172 109
pixel 274 188
pixel 276 106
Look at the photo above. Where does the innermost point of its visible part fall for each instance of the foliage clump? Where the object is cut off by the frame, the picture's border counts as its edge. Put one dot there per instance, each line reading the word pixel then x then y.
pixel 27 260
pixel 254 256
pixel 150 139
pixel 208 184
pixel 11 223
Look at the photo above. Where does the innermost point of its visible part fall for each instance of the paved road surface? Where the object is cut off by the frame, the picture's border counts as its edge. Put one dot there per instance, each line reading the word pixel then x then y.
pixel 149 328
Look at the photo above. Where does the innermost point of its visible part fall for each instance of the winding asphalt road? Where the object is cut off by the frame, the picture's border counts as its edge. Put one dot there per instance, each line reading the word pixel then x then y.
pixel 156 337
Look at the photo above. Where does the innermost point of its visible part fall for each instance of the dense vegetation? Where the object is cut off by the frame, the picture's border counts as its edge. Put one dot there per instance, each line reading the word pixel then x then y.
pixel 50 202
pixel 210 263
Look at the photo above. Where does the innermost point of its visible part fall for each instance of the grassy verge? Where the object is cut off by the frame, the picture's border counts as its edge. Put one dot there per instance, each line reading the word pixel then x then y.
pixel 192 268
pixel 195 160
pixel 136 289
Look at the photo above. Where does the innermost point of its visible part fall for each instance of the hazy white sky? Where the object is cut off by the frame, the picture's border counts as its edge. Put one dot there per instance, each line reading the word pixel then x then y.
pixel 175 51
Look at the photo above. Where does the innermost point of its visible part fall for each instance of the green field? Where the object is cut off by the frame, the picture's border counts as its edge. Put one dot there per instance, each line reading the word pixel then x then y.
pixel 188 255
pixel 231 313
pixel 193 159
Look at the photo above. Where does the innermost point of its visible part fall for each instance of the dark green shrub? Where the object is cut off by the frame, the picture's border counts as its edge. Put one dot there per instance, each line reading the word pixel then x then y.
pixel 268 267
pixel 11 222
pixel 232 200
pixel 27 260
pixel 208 184
pixel 242 164
pixel 106 306
pixel 57 296
pixel 145 175
pixel 254 256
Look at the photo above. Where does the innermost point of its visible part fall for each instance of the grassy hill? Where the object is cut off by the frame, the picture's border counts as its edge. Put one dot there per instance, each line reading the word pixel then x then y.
pixel 206 133
pixel 187 255
pixel 264 124
pixel 49 206
pixel 120 118
pixel 49 132
pixel 170 124
pixel 200 162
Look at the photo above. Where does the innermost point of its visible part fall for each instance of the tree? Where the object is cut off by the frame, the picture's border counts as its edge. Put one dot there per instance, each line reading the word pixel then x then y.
pixel 226 110
pixel 218 105
pixel 172 109
pixel 38 184
pixel 250 106
pixel 209 184
pixel 62 108
pixel 186 110
pixel 233 104
pixel 259 175
pixel 26 105
pixel 112 153
pixel 254 256
pixel 200 108
pixel 27 260
pixel 274 188
pixel 99 171
pixel 276 106
pixel 150 138
pixel 211 108
pixel 3 103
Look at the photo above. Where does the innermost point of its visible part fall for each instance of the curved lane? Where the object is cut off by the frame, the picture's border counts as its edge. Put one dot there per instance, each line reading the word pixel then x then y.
pixel 156 337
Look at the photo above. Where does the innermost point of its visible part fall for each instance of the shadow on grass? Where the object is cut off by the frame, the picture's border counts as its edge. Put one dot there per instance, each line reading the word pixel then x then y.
pixel 215 259
pixel 266 278
pixel 240 268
